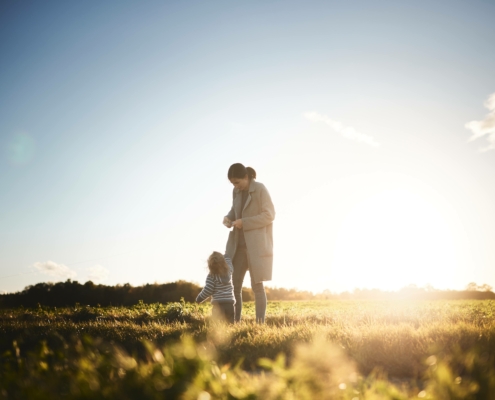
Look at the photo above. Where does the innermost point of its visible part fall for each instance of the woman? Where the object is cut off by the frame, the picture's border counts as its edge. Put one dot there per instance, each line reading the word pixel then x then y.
pixel 250 243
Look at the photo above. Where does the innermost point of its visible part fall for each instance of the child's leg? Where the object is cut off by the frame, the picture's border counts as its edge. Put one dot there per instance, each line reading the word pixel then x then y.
pixel 228 312
pixel 223 312
pixel 216 312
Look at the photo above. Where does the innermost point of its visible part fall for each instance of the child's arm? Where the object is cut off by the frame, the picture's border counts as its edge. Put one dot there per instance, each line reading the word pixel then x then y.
pixel 207 291
pixel 229 263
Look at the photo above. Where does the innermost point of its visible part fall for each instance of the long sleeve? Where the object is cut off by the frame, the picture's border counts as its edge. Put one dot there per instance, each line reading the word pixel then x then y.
pixel 231 213
pixel 229 263
pixel 266 216
pixel 207 291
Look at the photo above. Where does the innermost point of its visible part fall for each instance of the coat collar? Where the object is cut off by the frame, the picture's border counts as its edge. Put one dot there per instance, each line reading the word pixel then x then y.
pixel 238 199
pixel 252 187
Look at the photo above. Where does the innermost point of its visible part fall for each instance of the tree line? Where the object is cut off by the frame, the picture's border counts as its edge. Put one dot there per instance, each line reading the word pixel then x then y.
pixel 68 293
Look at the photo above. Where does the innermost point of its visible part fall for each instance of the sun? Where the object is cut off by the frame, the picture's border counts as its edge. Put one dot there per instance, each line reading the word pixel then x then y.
pixel 393 239
pixel 376 231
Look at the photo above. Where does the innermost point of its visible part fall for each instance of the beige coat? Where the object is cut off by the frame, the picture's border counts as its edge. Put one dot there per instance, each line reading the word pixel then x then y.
pixel 257 218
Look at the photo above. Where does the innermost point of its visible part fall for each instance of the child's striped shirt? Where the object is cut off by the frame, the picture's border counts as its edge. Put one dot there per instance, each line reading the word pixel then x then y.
pixel 219 287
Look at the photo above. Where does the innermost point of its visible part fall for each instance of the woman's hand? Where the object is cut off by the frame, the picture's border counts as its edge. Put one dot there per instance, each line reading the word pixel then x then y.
pixel 227 222
pixel 237 224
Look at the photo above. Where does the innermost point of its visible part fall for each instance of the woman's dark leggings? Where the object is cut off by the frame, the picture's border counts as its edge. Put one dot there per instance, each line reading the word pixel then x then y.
pixel 241 265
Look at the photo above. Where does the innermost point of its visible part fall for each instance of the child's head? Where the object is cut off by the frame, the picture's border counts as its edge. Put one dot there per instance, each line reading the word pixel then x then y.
pixel 217 264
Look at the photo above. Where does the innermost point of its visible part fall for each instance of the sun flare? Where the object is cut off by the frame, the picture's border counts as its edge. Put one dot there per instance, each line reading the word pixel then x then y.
pixel 393 239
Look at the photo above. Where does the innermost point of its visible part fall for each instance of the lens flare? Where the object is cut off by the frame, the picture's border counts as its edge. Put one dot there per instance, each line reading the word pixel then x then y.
pixel 20 149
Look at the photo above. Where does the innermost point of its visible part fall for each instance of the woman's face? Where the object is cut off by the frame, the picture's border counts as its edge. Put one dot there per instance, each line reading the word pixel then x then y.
pixel 240 184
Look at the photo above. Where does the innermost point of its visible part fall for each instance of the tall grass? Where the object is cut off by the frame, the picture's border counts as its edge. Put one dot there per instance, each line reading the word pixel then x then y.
pixel 379 345
pixel 93 369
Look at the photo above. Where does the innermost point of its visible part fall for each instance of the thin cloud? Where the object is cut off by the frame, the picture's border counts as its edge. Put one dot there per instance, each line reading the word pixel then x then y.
pixel 98 273
pixel 55 270
pixel 485 127
pixel 347 132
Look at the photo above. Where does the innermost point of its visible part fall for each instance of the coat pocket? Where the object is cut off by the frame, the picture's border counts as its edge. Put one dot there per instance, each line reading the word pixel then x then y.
pixel 264 243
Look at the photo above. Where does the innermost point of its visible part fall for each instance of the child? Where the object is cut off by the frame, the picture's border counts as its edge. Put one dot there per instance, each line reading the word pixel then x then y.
pixel 219 287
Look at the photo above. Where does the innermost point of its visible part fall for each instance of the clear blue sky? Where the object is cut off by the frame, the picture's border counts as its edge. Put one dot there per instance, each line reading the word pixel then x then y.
pixel 119 120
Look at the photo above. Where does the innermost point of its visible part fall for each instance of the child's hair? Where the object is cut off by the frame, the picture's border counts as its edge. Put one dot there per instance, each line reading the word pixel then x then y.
pixel 217 264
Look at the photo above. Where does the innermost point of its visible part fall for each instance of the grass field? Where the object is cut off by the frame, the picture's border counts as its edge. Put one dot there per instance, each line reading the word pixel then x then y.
pixel 306 350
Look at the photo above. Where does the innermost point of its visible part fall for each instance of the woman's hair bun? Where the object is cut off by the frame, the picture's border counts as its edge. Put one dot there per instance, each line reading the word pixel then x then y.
pixel 251 172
